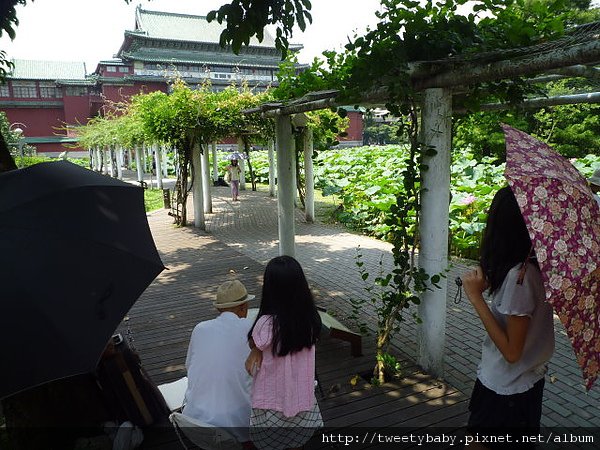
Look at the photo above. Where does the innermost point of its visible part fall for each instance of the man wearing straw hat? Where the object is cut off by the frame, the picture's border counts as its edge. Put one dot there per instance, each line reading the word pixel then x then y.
pixel 594 181
pixel 218 391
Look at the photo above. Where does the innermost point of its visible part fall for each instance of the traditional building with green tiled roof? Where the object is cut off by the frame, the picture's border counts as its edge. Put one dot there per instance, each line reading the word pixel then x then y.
pixel 43 97
pixel 164 45
pixel 47 97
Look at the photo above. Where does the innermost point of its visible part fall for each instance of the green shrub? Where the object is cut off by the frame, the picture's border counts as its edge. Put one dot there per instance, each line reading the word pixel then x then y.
pixel 153 199
pixel 26 161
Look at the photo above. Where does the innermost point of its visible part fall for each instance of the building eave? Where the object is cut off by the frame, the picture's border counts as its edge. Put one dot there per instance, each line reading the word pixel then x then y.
pixel 216 61
pixel 145 37
pixel 50 140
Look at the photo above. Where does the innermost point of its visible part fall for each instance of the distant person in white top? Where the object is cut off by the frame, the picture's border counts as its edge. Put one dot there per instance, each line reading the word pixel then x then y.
pixel 234 172
pixel 218 391
pixel 519 340
pixel 594 181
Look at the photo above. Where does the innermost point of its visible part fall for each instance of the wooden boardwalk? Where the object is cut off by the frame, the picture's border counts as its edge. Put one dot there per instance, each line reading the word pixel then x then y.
pixel 160 324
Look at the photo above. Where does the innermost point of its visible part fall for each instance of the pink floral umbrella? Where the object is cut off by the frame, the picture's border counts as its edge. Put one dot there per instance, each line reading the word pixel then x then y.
pixel 563 220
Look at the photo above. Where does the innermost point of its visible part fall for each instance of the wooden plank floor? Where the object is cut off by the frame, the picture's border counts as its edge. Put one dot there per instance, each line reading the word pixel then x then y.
pixel 161 322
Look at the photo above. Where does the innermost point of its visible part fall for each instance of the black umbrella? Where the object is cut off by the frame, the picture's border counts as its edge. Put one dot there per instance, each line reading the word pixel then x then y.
pixel 75 254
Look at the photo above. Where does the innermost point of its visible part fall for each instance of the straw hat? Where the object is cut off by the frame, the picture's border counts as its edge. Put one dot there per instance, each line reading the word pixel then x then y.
pixel 595 178
pixel 231 294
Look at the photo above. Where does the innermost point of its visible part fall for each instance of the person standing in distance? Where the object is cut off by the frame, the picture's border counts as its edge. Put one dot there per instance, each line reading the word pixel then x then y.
pixel 233 178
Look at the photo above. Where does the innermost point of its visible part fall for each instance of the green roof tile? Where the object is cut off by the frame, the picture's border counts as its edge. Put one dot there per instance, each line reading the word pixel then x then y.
pixel 50 139
pixel 185 27
pixel 26 69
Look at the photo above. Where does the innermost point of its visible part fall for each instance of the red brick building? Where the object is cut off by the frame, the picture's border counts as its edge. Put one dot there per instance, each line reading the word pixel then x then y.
pixel 49 97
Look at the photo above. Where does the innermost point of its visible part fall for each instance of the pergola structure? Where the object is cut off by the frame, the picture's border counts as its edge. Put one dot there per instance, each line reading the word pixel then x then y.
pixel 435 83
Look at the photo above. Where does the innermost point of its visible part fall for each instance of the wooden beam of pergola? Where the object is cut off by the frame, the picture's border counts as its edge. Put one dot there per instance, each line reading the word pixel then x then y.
pixel 559 62
pixel 304 104
pixel 540 102
pixel 473 73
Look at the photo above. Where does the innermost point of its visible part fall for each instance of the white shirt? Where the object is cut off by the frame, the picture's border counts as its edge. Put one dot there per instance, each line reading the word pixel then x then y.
pixel 527 299
pixel 218 391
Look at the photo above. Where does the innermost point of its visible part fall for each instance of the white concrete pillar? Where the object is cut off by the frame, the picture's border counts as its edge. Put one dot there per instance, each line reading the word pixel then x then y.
pixel 148 164
pixel 242 165
pixel 285 186
pixel 309 179
pixel 129 157
pixel 433 227
pixel 294 168
pixel 158 162
pixel 206 180
pixel 242 174
pixel 271 153
pixel 165 161
pixel 138 164
pixel 95 159
pixel 197 195
pixel 120 163
pixel 143 150
pixel 107 162
pixel 215 162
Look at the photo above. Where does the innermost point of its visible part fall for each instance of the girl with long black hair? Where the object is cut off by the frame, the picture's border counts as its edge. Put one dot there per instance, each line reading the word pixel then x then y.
pixel 507 397
pixel 285 412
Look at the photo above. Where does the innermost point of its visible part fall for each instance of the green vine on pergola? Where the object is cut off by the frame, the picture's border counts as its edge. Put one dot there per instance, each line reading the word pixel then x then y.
pixel 187 119
pixel 481 57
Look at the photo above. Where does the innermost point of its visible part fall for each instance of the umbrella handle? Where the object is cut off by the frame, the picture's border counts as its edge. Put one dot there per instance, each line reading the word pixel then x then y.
pixel 524 267
pixel 458 296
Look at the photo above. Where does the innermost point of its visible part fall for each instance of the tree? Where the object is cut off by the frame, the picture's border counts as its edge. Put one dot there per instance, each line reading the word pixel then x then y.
pixel 248 18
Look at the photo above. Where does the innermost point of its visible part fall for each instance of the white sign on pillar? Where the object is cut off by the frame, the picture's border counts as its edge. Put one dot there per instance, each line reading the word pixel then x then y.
pixel 433 227
pixel 285 186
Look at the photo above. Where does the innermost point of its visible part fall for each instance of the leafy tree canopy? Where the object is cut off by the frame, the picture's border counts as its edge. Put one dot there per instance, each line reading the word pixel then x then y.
pixel 412 31
pixel 248 18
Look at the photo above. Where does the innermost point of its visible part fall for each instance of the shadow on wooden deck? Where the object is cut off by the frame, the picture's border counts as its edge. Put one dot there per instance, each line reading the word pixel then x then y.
pixel 161 322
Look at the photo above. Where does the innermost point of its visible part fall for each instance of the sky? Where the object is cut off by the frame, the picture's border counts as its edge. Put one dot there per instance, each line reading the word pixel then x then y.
pixel 92 30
